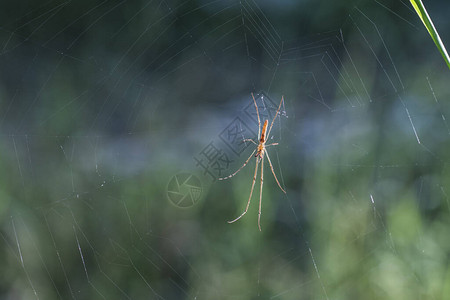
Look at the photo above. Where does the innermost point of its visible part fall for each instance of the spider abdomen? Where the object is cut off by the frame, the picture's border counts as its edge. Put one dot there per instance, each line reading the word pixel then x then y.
pixel 264 131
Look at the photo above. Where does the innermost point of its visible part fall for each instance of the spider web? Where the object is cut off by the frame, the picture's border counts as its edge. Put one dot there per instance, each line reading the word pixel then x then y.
pixel 103 103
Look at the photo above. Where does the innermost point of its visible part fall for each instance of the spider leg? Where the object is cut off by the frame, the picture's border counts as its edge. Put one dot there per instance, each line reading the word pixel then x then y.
pixel 273 144
pixel 249 140
pixel 251 192
pixel 273 172
pixel 260 193
pixel 257 113
pixel 276 114
pixel 246 162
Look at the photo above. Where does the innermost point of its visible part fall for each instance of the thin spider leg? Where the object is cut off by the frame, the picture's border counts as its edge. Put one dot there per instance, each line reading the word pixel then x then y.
pixel 249 140
pixel 257 113
pixel 260 192
pixel 276 114
pixel 251 192
pixel 246 162
pixel 273 144
pixel 273 172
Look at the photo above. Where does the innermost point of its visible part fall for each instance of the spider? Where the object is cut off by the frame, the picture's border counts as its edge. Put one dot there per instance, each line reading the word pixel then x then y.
pixel 260 153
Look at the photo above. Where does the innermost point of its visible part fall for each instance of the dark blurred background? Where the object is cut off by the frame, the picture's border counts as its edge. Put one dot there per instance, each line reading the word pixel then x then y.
pixel 118 117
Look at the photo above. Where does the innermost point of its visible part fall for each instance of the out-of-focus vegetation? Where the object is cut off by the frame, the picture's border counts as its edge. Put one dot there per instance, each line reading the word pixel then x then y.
pixel 101 104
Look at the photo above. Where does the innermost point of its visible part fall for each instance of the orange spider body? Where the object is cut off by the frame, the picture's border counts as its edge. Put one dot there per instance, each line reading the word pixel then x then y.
pixel 262 141
pixel 260 153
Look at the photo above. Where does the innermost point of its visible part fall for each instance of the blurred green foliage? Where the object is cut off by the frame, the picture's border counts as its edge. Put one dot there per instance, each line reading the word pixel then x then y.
pixel 103 103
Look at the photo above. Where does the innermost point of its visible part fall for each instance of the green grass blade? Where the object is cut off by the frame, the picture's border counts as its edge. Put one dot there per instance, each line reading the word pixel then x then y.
pixel 426 20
